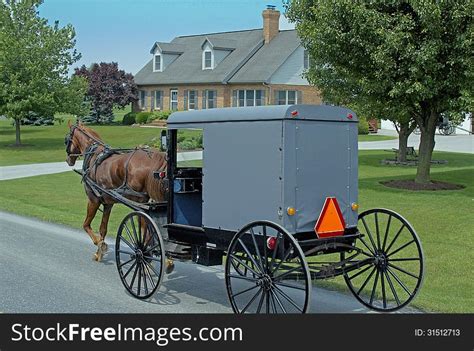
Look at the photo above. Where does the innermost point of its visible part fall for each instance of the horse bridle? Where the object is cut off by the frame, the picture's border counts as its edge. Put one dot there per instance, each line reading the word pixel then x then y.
pixel 69 137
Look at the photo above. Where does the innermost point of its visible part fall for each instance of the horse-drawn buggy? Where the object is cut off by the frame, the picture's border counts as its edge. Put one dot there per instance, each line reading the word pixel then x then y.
pixel 275 201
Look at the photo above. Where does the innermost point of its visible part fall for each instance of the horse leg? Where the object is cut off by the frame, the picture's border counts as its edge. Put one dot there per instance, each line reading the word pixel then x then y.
pixel 102 246
pixel 92 208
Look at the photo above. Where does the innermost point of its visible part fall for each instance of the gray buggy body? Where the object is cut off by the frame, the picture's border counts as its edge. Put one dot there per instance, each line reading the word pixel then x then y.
pixel 259 161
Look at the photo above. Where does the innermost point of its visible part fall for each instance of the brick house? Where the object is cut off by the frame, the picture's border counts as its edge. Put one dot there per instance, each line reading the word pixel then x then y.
pixel 240 68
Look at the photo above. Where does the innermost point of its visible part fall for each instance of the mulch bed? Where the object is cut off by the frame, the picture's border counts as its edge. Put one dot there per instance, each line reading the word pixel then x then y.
pixel 411 162
pixel 411 185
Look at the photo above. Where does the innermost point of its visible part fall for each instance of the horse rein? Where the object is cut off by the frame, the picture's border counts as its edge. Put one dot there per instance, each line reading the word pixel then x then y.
pixel 70 136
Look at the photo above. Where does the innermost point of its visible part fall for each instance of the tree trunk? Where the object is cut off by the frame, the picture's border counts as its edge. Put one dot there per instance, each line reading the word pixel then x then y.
pixel 403 133
pixel 427 143
pixel 17 132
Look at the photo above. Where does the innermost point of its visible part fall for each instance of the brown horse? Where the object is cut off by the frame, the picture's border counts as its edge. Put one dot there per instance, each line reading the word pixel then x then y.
pixel 131 171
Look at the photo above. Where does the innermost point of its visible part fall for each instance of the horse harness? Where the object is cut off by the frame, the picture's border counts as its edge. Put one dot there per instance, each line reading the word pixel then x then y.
pixel 88 166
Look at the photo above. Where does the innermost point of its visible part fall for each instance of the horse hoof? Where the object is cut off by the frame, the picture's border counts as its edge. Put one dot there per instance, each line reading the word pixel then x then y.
pixel 169 266
pixel 95 257
pixel 104 247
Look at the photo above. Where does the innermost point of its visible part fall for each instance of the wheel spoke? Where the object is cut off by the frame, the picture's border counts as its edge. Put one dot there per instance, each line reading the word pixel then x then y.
pixel 369 233
pixel 401 248
pixel 152 248
pixel 287 254
pixel 278 301
pixel 405 259
pixel 377 229
pixel 281 276
pixel 139 278
pixel 291 286
pixel 129 269
pixel 153 285
pixel 244 291
pixel 127 243
pixel 395 238
pixel 289 299
pixel 384 296
pixel 232 256
pixel 134 276
pixel 272 302
pixel 126 252
pixel 387 229
pixel 265 253
pixel 242 277
pixel 153 269
pixel 248 253
pixel 403 271
pixel 360 272
pixel 367 246
pixel 145 286
pixel 257 251
pixel 275 249
pixel 399 282
pixel 393 289
pixel 374 287
pixel 134 230
pixel 130 235
pixel 124 263
pixel 260 303
pixel 252 300
pixel 367 280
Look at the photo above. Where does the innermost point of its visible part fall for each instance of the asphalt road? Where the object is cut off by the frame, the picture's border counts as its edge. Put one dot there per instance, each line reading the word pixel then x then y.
pixel 49 268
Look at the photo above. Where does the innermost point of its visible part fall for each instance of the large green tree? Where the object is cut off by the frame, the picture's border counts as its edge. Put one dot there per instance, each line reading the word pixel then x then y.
pixel 414 58
pixel 35 58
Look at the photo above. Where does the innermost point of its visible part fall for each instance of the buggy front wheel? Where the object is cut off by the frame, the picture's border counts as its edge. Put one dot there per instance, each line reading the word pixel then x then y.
pixel 139 255
pixel 393 268
pixel 266 271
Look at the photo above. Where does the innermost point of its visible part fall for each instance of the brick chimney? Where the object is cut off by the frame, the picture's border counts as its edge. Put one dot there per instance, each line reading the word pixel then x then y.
pixel 271 23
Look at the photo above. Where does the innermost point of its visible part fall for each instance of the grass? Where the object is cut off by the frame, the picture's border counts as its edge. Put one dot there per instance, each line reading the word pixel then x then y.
pixel 376 137
pixel 443 219
pixel 46 143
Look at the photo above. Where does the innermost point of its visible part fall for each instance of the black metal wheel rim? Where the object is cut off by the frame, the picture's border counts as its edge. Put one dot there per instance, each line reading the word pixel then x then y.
pixel 139 255
pixel 395 273
pixel 266 271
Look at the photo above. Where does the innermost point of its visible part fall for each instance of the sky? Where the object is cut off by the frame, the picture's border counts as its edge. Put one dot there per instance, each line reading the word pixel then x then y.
pixel 124 31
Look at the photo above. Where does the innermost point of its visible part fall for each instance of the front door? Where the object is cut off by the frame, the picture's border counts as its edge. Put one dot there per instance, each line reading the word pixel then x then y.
pixel 173 100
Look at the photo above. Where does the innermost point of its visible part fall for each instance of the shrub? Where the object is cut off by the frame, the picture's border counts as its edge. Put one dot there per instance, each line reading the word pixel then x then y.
pixel 363 127
pixel 129 118
pixel 142 117
pixel 37 119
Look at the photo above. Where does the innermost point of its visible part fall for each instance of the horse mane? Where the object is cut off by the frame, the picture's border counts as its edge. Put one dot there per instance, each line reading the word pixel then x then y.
pixel 91 132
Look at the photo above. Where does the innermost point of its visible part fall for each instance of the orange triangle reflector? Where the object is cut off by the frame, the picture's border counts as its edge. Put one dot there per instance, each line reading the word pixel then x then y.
pixel 330 221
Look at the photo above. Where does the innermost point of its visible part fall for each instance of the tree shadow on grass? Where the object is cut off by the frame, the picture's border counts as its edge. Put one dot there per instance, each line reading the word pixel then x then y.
pixel 37 144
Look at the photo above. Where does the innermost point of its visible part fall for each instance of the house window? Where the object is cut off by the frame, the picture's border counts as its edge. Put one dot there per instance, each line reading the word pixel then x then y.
pixel 207 60
pixel 158 100
pixel 209 99
pixel 157 63
pixel 190 99
pixel 306 60
pixel 241 98
pixel 287 97
pixel 173 100
pixel 142 99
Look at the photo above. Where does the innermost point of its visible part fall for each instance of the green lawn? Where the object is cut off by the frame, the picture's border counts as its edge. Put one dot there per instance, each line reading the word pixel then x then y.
pixel 376 137
pixel 46 143
pixel 443 219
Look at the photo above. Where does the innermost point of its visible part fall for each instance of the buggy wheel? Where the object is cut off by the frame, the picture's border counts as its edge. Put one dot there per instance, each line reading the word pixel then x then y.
pixel 139 255
pixel 394 269
pixel 266 271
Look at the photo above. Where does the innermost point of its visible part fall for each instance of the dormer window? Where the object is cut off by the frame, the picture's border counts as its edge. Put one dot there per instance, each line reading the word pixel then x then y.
pixel 208 60
pixel 157 66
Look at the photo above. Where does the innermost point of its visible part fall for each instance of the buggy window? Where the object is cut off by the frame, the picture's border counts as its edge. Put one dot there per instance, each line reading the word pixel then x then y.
pixel 189 148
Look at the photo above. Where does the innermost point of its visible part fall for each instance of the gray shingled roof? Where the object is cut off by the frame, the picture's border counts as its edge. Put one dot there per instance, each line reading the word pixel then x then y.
pixel 250 60
pixel 168 48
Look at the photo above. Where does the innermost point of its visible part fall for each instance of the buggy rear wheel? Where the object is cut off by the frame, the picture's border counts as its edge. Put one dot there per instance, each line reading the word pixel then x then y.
pixel 394 273
pixel 266 271
pixel 139 255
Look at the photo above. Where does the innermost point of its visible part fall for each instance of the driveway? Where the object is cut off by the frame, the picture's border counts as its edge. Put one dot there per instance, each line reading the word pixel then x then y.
pixel 49 268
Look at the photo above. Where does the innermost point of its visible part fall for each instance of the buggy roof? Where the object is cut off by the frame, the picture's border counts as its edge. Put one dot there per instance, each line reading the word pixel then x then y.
pixel 261 113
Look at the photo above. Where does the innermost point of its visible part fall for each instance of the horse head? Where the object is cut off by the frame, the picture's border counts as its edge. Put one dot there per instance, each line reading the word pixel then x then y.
pixel 71 141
